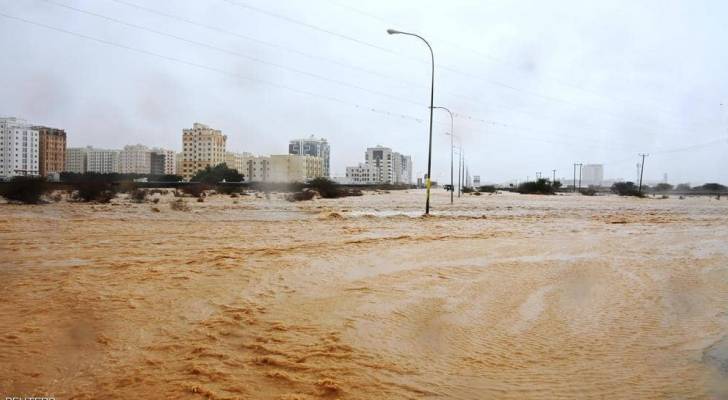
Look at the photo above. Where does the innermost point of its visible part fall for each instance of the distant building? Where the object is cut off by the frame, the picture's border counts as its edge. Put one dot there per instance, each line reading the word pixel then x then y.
pixel 312 147
pixel 102 161
pixel 163 162
pixel 51 150
pixel 76 159
pixel 362 174
pixel 202 147
pixel 382 165
pixel 237 161
pixel 295 168
pixel 257 169
pixel 476 180
pixel 592 175
pixel 135 159
pixel 18 148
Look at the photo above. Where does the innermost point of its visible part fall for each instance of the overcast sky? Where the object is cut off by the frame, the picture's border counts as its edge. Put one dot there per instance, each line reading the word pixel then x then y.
pixel 535 85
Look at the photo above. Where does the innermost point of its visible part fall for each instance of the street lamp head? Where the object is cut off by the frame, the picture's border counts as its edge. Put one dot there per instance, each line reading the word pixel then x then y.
pixel 393 31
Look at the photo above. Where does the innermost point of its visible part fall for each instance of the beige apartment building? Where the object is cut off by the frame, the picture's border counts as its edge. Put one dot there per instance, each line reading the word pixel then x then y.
pixel 51 150
pixel 238 161
pixel 135 159
pixel 295 168
pixel 202 147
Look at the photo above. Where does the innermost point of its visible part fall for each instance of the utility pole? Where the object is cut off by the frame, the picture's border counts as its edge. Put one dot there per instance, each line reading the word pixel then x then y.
pixel 460 169
pixel 573 187
pixel 642 169
pixel 580 168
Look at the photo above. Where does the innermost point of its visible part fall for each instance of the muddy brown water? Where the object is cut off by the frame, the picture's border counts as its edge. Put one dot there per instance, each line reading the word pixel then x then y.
pixel 500 297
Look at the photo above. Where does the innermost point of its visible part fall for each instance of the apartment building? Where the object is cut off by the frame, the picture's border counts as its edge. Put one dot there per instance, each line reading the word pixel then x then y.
pixel 135 159
pixel 202 147
pixel 312 147
pixel 51 150
pixel 163 162
pixel 238 161
pixel 382 165
pixel 76 159
pixel 362 174
pixel 295 168
pixel 19 148
pixel 592 175
pixel 257 169
pixel 102 161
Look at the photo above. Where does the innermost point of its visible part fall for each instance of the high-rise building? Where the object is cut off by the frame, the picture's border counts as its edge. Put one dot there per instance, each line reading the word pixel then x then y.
pixel 102 161
pixel 76 159
pixel 592 175
pixel 51 150
pixel 202 147
pixel 382 166
pixel 163 162
pixel 295 168
pixel 135 159
pixel 312 147
pixel 18 148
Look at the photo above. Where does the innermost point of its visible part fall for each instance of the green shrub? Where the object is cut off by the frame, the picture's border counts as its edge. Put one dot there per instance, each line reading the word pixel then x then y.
pixel 97 191
pixel 325 187
pixel 487 189
pixel 588 191
pixel 138 195
pixel 541 186
pixel 25 190
pixel 194 189
pixel 626 189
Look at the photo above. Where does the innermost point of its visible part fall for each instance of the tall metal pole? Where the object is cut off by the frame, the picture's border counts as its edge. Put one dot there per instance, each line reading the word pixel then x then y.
pixel 460 168
pixel 452 150
pixel 580 168
pixel 642 170
pixel 574 185
pixel 432 101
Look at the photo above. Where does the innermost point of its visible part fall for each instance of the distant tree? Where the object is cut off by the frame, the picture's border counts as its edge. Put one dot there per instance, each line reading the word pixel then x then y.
pixel 166 178
pixel 325 187
pixel 626 189
pixel 683 187
pixel 487 189
pixel 541 186
pixel 468 189
pixel 98 191
pixel 663 187
pixel 25 190
pixel 217 174
pixel 713 187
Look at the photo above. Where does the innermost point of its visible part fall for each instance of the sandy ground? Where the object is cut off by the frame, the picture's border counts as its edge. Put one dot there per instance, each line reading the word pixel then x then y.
pixel 496 297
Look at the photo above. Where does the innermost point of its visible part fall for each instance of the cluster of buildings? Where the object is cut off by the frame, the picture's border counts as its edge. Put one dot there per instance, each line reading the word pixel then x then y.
pixel 28 150
pixel 381 165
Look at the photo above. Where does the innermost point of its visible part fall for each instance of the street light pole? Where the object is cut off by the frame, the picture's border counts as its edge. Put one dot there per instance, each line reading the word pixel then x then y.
pixel 432 101
pixel 460 169
pixel 452 150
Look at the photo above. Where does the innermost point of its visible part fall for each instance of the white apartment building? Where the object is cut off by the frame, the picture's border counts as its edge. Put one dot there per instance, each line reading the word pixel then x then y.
pixel 382 165
pixel 163 162
pixel 102 161
pixel 18 148
pixel 76 159
pixel 295 168
pixel 257 169
pixel 362 174
pixel 592 175
pixel 202 147
pixel 135 159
